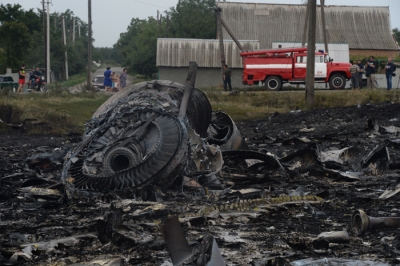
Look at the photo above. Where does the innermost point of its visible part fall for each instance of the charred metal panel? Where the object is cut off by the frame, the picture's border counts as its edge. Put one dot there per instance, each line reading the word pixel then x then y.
pixel 224 132
pixel 136 138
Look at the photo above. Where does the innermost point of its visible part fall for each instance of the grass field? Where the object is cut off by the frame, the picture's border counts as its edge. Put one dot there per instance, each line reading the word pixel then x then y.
pixel 60 112
pixel 249 105
pixel 55 112
pixel 72 80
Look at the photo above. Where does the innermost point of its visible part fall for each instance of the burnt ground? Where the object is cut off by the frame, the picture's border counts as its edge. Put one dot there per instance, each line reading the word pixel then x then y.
pixel 337 161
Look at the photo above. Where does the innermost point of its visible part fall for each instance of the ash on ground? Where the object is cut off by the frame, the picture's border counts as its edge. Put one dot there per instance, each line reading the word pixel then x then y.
pixel 334 162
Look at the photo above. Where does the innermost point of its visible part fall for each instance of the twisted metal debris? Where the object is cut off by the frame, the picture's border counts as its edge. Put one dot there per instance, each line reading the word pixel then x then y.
pixel 151 133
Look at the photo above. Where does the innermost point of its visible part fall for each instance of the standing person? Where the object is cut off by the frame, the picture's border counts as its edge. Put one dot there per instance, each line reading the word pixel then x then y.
pixel 116 82
pixel 371 71
pixel 390 68
pixel 21 79
pixel 360 73
pixel 227 78
pixel 113 79
pixel 31 79
pixel 107 80
pixel 122 79
pixel 354 69
pixel 37 74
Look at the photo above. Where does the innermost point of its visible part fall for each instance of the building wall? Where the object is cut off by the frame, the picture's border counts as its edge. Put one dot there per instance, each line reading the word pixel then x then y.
pixel 205 78
pixel 173 52
pixel 362 27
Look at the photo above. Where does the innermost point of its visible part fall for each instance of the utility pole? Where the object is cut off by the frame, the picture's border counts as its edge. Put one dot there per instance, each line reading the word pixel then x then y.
pixel 159 25
pixel 73 31
pixel 65 46
pixel 232 35
pixel 221 39
pixel 89 62
pixel 44 33
pixel 310 76
pixel 48 77
pixel 303 40
pixel 324 25
pixel 167 28
pixel 79 30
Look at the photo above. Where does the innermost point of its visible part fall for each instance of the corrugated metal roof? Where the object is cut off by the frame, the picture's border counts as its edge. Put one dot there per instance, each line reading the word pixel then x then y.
pixel 179 52
pixel 362 27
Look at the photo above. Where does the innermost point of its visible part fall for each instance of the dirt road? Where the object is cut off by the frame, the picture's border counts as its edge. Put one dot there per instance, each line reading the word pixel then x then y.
pixel 100 71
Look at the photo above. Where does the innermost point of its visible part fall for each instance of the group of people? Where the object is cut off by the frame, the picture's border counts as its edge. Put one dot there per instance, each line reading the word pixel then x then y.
pixel 114 82
pixel 33 76
pixel 370 68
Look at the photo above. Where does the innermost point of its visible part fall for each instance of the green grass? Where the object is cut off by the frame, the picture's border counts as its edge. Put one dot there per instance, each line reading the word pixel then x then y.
pixel 60 111
pixel 63 112
pixel 73 80
pixel 249 105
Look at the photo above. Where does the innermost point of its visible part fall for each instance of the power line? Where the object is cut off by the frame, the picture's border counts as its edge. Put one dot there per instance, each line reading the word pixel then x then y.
pixel 150 4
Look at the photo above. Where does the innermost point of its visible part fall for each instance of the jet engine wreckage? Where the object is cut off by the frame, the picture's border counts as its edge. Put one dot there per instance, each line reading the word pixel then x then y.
pixel 152 133
pixel 150 185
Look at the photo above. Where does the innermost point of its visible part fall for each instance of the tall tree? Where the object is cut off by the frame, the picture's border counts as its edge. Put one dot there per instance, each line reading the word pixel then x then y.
pixel 22 39
pixel 193 19
pixel 16 29
pixel 138 46
pixel 15 39
pixel 189 19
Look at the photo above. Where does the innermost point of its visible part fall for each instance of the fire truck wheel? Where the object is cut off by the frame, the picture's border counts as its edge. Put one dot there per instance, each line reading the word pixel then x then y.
pixel 273 83
pixel 337 82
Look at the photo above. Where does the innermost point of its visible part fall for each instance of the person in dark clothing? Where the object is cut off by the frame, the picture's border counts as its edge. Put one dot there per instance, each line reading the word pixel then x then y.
pixel 227 78
pixel 354 69
pixel 108 80
pixel 390 68
pixel 371 71
pixel 32 78
pixel 37 74
pixel 360 73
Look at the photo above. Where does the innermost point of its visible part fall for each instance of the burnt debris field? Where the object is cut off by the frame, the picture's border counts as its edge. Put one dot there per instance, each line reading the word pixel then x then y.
pixel 306 187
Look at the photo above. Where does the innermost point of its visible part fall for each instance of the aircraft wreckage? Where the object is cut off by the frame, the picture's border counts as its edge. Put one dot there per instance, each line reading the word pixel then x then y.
pixel 160 179
pixel 153 133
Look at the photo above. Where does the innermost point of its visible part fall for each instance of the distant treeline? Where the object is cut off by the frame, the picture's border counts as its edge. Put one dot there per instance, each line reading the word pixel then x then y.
pixel 189 19
pixel 22 41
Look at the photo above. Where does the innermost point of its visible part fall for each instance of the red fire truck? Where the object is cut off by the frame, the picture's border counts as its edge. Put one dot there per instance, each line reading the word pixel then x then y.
pixel 277 66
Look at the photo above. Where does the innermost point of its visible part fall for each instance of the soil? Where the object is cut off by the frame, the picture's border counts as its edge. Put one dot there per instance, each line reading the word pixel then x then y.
pixel 334 162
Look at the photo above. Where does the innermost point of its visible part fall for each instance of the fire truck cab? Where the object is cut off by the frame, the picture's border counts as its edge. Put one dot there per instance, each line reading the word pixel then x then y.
pixel 278 66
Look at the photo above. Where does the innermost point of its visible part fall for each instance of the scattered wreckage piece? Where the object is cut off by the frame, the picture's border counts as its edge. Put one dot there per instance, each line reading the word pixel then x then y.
pixel 276 230
pixel 324 238
pixel 361 222
pixel 174 237
pixel 264 158
pixel 180 251
pixel 151 134
pixel 390 192
pixel 209 253
pixel 374 126
pixel 337 262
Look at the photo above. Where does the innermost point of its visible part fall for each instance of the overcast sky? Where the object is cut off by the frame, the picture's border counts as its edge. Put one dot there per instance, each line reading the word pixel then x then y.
pixel 111 17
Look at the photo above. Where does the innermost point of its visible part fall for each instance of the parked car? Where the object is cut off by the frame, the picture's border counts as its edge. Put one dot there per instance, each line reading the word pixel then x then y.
pixel 98 82
pixel 8 82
